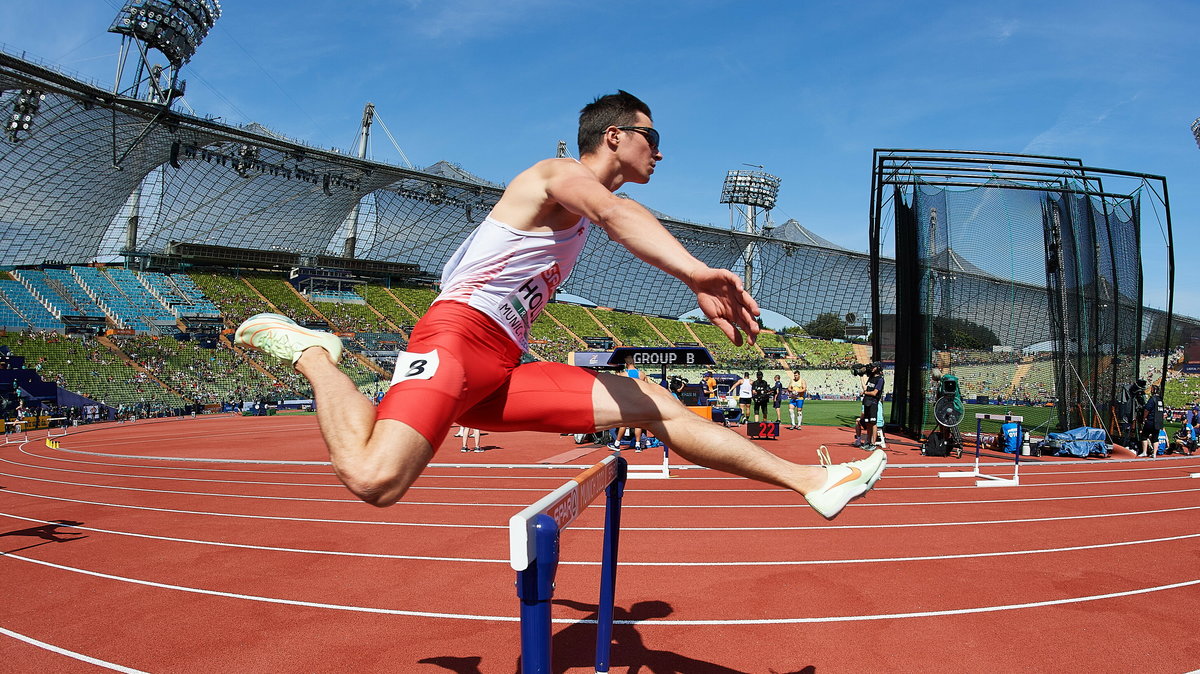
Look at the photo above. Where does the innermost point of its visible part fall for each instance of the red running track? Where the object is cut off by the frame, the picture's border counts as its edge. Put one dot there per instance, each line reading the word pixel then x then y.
pixel 226 544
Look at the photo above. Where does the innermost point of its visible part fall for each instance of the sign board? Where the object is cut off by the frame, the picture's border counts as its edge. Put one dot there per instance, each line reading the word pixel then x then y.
pixel 666 356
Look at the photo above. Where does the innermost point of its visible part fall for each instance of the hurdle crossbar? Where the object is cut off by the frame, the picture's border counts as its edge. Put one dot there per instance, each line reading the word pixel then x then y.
pixel 985 480
pixel 50 427
pixel 534 555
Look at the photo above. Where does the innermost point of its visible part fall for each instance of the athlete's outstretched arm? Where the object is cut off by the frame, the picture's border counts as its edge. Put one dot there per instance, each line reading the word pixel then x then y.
pixel 720 292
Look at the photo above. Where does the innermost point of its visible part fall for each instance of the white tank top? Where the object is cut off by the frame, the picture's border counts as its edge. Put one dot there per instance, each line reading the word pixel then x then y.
pixel 509 274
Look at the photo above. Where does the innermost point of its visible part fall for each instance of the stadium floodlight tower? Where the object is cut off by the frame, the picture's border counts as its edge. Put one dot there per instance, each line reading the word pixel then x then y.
pixel 748 193
pixel 1196 130
pixel 173 27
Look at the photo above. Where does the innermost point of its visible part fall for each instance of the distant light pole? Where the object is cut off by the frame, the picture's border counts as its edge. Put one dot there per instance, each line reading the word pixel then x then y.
pixel 747 192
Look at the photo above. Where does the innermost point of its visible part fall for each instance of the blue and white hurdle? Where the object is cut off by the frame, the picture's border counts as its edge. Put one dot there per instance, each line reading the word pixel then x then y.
pixel 985 480
pixel 50 427
pixel 534 555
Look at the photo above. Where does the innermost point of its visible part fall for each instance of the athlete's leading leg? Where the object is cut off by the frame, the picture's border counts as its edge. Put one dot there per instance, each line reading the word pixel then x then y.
pixel 617 400
pixel 377 460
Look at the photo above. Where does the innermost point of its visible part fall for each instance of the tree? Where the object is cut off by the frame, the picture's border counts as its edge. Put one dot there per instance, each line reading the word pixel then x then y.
pixel 957 333
pixel 826 326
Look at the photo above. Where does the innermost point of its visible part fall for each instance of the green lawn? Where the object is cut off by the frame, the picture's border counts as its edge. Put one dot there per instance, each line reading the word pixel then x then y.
pixel 844 412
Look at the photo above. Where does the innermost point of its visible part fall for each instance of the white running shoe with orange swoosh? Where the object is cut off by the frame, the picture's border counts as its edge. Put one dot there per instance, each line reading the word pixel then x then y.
pixel 845 482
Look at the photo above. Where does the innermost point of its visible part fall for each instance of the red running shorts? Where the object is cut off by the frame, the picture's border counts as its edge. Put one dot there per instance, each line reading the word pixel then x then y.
pixel 461 367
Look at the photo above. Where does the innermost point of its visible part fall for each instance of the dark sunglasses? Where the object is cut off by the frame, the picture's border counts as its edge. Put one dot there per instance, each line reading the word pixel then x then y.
pixel 650 133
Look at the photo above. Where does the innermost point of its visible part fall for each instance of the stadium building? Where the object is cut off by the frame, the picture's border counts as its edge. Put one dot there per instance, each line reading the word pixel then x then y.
pixel 125 219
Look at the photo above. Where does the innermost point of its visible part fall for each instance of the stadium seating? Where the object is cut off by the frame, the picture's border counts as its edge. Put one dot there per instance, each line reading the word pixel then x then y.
pixel 88 367
pixel 577 319
pixel 352 317
pixel 551 342
pixel 417 300
pixel 23 310
pixel 67 286
pixel 820 353
pixel 236 300
pixel 116 305
pixel 39 286
pixel 385 303
pixel 629 329
pixel 675 331
pixel 285 299
pixel 179 294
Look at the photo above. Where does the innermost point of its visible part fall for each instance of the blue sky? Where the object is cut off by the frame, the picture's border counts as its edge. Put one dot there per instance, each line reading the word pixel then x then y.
pixel 805 89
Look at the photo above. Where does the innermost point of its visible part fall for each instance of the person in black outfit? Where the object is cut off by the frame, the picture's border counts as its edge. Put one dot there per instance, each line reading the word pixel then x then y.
pixel 872 391
pixel 761 395
pixel 1152 423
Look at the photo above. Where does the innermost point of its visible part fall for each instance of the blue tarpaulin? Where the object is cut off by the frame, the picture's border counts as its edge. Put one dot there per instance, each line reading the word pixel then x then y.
pixel 1082 442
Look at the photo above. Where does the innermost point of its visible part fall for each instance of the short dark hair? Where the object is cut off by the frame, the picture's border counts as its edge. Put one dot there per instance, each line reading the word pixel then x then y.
pixel 619 109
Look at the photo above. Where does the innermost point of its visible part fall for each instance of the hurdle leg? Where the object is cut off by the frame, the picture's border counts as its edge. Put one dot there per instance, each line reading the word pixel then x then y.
pixel 653 472
pixel 535 587
pixel 608 568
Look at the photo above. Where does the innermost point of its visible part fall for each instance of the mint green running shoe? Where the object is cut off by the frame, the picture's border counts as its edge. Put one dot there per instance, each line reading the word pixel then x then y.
pixel 283 338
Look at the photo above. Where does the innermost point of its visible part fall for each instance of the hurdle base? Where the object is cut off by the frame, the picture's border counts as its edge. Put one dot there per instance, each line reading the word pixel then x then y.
pixel 648 472
pixel 997 482
pixel 1195 475
pixel 957 473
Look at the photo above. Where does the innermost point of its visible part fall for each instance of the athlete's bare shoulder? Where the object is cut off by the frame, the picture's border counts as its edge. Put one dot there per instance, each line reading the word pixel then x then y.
pixel 527 203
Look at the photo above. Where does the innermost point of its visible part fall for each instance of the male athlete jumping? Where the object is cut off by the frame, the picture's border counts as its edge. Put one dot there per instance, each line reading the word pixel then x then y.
pixel 462 363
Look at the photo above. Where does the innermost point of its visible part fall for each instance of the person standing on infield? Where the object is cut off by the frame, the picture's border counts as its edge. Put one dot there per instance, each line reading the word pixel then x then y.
pixel 638 434
pixel 463 358
pixel 871 397
pixel 798 391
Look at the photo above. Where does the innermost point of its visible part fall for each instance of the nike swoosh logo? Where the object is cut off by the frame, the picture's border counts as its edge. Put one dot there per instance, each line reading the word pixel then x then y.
pixel 854 475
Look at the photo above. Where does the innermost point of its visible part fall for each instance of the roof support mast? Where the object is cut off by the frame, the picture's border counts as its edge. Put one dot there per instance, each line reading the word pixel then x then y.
pixel 363 138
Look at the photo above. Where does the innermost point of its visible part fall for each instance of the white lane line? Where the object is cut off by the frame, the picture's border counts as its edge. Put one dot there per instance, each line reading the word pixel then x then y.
pixel 332 483
pixel 917 614
pixel 139 466
pixel 638 489
pixel 70 654
pixel 477 560
pixel 826 527
pixel 425 476
pixel 666 506
pixel 511 618
pixel 634 488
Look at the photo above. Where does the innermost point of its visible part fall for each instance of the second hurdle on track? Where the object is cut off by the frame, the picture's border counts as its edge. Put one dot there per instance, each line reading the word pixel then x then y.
pixel 534 554
pixel 985 480
pixel 62 423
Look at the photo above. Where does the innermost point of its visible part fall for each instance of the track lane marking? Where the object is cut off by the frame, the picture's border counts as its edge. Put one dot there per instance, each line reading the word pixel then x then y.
pixel 827 527
pixel 70 654
pixel 511 618
pixel 800 562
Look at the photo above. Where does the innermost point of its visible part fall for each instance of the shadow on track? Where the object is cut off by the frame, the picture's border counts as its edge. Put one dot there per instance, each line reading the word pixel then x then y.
pixel 48 533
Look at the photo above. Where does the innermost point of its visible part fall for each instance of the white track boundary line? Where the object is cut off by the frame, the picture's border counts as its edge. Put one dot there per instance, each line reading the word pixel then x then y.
pixel 517 466
pixel 667 506
pixel 509 618
pixel 764 490
pixel 70 654
pixel 827 527
pixel 476 560
pixel 332 483
pixel 424 476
